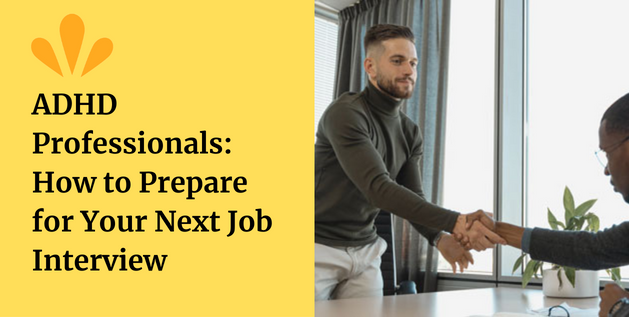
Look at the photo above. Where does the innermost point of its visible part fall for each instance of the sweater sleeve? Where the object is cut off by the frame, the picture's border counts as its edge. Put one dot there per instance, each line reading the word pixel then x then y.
pixel 410 177
pixel 348 133
pixel 581 249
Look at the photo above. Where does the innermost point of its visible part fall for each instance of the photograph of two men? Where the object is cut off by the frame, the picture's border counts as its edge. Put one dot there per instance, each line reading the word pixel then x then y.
pixel 471 159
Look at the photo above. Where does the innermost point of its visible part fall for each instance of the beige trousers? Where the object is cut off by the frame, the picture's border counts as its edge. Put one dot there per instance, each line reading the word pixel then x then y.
pixel 348 272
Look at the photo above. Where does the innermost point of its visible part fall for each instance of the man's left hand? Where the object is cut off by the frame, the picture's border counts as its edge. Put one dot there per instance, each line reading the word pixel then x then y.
pixel 454 253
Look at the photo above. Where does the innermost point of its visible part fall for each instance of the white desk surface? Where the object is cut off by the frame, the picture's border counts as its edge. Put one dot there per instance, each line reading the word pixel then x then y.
pixel 484 301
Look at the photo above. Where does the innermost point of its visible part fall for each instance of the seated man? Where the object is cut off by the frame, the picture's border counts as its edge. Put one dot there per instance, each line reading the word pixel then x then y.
pixel 367 154
pixel 585 250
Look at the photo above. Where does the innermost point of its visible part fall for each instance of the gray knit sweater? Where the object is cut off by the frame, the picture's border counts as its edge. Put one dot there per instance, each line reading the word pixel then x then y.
pixel 367 159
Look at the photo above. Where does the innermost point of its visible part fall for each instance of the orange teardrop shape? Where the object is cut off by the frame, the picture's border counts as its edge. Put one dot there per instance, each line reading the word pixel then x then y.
pixel 72 31
pixel 44 52
pixel 100 51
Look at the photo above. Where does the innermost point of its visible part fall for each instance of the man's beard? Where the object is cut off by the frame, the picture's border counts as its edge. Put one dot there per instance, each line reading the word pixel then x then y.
pixel 389 86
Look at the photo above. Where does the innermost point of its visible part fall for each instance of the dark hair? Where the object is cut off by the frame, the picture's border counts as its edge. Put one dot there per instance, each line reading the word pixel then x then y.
pixel 382 32
pixel 617 116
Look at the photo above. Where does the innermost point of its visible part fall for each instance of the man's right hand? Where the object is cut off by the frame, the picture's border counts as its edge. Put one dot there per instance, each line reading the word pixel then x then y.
pixel 609 296
pixel 475 231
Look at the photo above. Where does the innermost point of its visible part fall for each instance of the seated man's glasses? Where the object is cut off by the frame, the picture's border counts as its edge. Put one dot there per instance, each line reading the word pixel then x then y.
pixel 601 154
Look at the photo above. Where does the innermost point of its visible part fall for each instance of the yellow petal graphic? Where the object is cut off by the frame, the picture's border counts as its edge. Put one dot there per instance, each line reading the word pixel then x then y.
pixel 100 51
pixel 44 52
pixel 72 31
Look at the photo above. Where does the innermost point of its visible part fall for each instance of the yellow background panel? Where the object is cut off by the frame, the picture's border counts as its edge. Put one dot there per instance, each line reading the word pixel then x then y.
pixel 238 70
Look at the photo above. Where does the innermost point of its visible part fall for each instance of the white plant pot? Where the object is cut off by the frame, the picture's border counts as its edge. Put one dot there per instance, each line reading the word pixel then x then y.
pixel 586 284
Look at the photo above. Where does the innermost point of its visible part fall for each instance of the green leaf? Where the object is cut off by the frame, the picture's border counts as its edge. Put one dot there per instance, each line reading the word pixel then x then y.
pixel 552 221
pixel 571 224
pixel 518 262
pixel 559 278
pixel 584 207
pixel 593 222
pixel 537 268
pixel 570 274
pixel 568 204
pixel 528 273
pixel 578 223
pixel 615 275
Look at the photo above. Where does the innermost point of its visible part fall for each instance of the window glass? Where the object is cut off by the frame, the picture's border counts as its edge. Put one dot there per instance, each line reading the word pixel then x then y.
pixel 469 141
pixel 578 67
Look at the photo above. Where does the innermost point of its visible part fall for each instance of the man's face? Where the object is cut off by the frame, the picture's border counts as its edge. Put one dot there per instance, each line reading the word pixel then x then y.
pixel 616 147
pixel 395 68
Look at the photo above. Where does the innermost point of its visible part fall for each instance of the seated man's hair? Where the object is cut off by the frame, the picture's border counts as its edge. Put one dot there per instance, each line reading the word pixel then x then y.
pixel 617 116
pixel 382 32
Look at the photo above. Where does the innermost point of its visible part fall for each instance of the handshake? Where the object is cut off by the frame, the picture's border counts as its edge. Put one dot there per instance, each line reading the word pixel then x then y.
pixel 471 231
pixel 476 231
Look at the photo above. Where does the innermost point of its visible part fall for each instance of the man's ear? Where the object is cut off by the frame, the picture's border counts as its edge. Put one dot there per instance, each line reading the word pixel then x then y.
pixel 370 67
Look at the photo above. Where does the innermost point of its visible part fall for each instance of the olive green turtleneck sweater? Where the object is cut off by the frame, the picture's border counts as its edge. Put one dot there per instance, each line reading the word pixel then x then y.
pixel 367 159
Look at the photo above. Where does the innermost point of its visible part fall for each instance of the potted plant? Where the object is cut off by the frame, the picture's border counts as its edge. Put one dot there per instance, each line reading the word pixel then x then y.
pixel 554 279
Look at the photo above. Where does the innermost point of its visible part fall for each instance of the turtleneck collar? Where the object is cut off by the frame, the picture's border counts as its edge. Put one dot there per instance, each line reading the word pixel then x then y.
pixel 381 102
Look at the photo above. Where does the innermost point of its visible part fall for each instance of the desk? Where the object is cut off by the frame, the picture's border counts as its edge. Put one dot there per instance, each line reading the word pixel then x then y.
pixel 484 301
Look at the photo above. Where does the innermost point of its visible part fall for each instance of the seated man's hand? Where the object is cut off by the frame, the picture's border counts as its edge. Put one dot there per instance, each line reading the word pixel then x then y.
pixel 454 253
pixel 609 296
pixel 475 231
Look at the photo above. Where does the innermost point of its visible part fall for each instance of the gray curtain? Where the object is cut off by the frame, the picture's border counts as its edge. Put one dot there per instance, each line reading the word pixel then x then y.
pixel 429 20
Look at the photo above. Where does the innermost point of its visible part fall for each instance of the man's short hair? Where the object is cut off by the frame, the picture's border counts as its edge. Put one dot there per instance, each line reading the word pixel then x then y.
pixel 617 116
pixel 382 32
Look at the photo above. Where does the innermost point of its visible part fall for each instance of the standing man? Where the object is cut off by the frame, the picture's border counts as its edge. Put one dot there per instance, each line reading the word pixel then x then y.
pixel 367 157
pixel 585 250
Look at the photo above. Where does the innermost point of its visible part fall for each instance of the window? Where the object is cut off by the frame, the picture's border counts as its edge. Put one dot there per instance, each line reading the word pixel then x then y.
pixel 576 70
pixel 469 140
pixel 555 76
pixel 325 64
